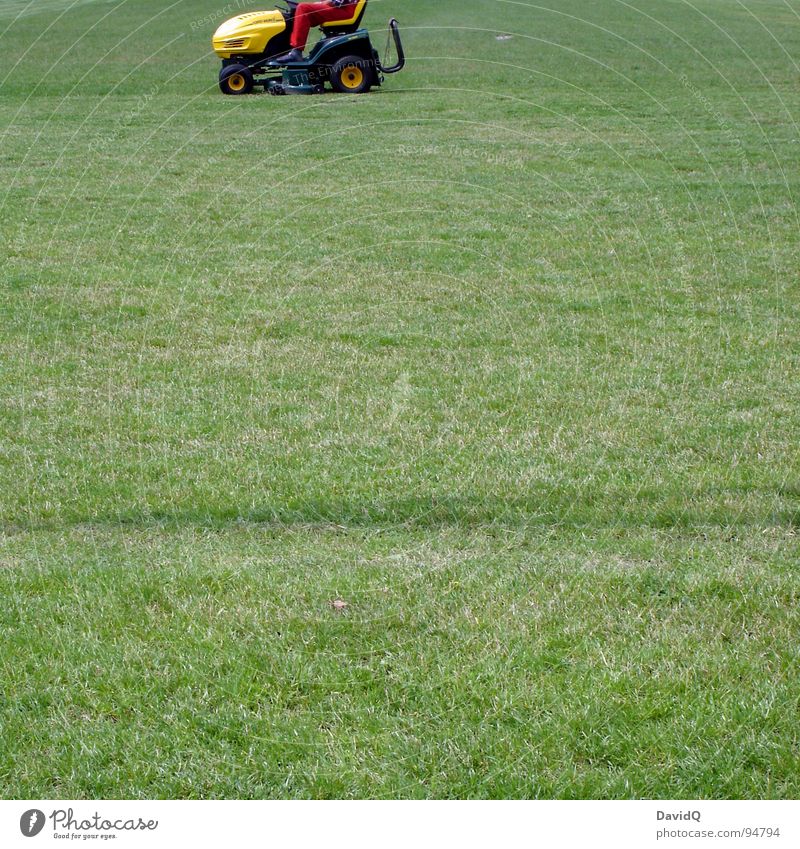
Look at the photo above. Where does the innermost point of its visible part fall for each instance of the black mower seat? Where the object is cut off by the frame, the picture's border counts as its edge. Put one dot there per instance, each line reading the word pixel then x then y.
pixel 351 24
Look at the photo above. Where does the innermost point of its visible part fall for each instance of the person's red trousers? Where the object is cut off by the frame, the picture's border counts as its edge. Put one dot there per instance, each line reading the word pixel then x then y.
pixel 313 14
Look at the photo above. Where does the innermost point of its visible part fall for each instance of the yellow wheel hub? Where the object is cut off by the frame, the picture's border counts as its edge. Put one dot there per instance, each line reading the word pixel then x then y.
pixel 236 82
pixel 352 76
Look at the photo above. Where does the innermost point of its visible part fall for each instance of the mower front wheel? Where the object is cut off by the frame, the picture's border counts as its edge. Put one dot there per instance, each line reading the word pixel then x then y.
pixel 352 75
pixel 236 79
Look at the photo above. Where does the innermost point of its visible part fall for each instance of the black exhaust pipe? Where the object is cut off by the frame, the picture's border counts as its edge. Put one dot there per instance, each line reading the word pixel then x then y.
pixel 401 56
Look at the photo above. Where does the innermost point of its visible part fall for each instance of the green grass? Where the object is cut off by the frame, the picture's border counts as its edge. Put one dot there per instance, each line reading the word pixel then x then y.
pixel 505 355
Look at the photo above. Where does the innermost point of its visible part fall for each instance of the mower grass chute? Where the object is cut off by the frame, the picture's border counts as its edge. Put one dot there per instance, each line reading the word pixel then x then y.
pixel 344 57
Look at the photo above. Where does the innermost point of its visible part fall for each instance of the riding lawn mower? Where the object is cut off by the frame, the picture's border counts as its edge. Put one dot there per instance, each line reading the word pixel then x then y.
pixel 251 47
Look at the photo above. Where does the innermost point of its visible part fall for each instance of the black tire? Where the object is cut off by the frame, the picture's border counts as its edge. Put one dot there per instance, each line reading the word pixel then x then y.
pixel 236 79
pixel 352 75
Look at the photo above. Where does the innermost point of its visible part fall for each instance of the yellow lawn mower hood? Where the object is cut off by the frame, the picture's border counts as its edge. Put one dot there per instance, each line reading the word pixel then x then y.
pixel 249 33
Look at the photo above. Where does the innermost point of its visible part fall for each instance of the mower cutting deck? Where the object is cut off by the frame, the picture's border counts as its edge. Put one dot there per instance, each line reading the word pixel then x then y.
pixel 249 44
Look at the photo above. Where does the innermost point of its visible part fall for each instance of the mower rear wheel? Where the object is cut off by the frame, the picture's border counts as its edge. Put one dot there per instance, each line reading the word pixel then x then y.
pixel 236 79
pixel 352 75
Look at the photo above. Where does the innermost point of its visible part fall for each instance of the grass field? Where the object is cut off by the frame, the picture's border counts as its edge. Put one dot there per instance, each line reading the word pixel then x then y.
pixel 504 355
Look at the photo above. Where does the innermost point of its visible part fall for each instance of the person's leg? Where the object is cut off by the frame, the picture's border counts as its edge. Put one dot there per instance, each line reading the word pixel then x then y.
pixel 307 15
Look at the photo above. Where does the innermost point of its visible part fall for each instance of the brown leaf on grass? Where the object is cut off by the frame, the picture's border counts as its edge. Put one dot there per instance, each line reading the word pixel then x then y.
pixel 338 604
